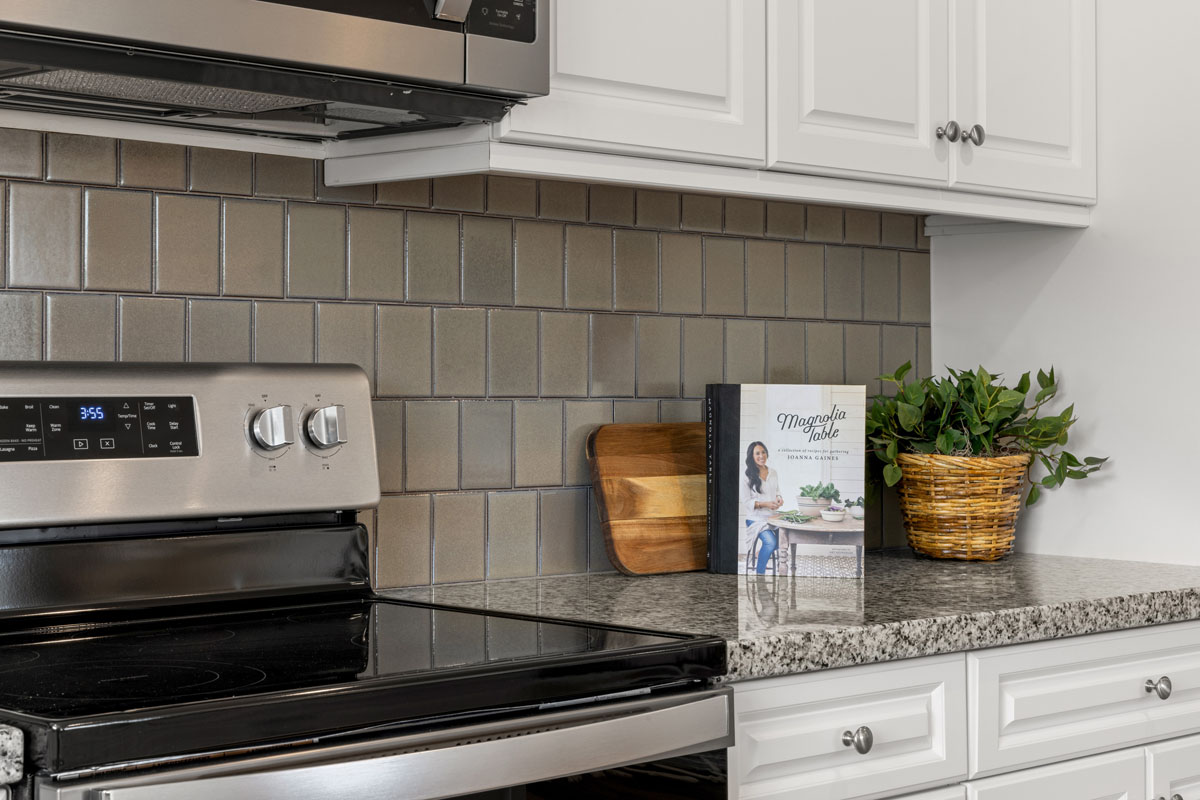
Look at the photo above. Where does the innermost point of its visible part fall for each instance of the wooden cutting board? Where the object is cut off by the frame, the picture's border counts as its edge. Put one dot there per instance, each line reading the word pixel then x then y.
pixel 651 493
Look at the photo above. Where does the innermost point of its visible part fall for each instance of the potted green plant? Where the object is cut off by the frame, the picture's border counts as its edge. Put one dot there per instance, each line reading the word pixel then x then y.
pixel 817 496
pixel 857 508
pixel 961 449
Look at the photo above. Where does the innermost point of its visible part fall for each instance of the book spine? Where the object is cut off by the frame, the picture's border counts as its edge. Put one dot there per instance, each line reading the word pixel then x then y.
pixel 726 430
pixel 710 470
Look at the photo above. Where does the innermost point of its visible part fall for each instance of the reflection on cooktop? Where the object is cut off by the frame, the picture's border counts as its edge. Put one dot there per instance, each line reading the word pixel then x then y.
pixel 128 680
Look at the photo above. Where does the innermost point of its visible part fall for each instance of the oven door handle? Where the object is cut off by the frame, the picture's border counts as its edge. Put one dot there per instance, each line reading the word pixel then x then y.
pixel 512 757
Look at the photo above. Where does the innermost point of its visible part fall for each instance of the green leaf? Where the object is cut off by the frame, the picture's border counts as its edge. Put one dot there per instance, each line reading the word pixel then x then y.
pixel 902 371
pixel 892 474
pixel 1034 492
pixel 1093 460
pixel 1009 397
pixel 1076 473
pixel 1043 379
pixel 1050 480
pixel 909 415
pixel 945 443
pixel 1047 391
pixel 1023 385
pixel 926 448
pixel 893 449
pixel 1071 460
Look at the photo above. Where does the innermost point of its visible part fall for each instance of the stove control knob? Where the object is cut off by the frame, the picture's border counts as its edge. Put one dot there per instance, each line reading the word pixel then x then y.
pixel 272 427
pixel 327 427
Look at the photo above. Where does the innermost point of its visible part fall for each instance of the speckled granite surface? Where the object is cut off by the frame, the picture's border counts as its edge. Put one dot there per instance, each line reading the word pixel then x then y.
pixel 906 606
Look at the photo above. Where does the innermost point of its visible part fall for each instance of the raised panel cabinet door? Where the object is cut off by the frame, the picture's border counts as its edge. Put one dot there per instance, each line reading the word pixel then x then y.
pixel 958 792
pixel 859 88
pixel 802 736
pixel 1025 70
pixel 1173 768
pixel 1112 776
pixel 676 79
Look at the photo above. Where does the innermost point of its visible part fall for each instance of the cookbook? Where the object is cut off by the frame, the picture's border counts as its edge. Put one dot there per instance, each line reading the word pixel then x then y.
pixel 786 479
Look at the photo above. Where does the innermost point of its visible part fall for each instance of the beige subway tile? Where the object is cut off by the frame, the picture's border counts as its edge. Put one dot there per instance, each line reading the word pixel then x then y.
pixel 487 427
pixel 658 357
pixel 511 197
pixel 389 443
pixel 899 346
pixel 187 244
pixel 459 352
pixel 589 268
pixel 405 351
pixel 745 351
pixel 252 243
pixel 724 276
pixel 152 329
pixel 20 153
pixel 785 220
pixel 881 285
pixel 153 165
pixel 703 354
pixel 512 534
pixel 487 261
pixel 220 171
pixel 598 560
pixel 581 418
pixel 414 194
pixel 744 216
pixel 785 351
pixel 825 359
pixel 824 224
pixel 562 200
pixel 899 230
pixel 432 259
pixel 81 327
pixel 219 330
pixel 459 538
pixel 610 205
pixel 402 532
pixel 284 332
pixel 43 236
pixel 564 338
pixel 682 273
pixel 81 159
pixel 636 270
pixel 21 321
pixel 431 452
pixel 564 531
pixel 635 411
pixel 843 282
pixel 862 226
pixel 805 281
pixel 765 269
pixel 363 193
pixel 376 254
pixel 459 192
pixel 862 357
pixel 116 240
pixel 702 213
pixel 512 353
pixel 346 335
pixel 283 176
pixel 538 442
pixel 539 264
pixel 612 355
pixel 316 251
pixel 682 410
pixel 658 209
pixel 914 287
pixel 924 366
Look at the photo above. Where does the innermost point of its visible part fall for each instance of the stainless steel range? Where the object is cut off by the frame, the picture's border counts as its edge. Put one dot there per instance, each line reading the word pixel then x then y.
pixel 185 612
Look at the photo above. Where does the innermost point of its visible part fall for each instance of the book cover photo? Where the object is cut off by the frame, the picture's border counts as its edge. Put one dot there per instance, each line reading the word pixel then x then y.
pixel 786 466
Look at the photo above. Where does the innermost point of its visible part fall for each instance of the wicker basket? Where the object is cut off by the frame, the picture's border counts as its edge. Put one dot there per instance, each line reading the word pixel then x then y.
pixel 961 506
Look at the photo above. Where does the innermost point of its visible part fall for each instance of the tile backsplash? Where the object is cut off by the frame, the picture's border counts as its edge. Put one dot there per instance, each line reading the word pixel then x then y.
pixel 500 319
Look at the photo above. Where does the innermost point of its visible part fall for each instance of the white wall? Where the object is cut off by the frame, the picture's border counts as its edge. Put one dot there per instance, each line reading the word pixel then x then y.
pixel 1114 308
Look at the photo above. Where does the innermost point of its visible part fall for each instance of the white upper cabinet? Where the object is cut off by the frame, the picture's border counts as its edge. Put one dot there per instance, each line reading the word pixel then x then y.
pixel 675 79
pixel 858 87
pixel 1025 70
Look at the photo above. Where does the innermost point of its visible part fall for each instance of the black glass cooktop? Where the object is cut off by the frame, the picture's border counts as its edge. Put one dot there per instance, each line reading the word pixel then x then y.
pixel 119 692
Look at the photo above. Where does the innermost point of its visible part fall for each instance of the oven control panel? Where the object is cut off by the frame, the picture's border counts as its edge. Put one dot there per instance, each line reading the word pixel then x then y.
pixel 65 428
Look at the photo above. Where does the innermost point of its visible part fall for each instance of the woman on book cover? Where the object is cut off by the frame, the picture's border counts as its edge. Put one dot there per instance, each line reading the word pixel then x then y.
pixel 760 499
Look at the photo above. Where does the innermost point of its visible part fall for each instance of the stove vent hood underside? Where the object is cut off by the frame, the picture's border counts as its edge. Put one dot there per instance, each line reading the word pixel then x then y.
pixel 64 76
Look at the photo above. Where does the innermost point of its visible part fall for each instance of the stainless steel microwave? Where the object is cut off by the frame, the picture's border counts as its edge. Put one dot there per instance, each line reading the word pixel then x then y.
pixel 303 69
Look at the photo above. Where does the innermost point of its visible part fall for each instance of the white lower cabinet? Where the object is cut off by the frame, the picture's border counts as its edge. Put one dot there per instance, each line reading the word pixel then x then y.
pixel 1112 776
pixel 1173 769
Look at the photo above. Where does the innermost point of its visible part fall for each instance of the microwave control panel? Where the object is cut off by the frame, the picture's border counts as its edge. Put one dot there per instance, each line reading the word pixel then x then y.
pixel 74 428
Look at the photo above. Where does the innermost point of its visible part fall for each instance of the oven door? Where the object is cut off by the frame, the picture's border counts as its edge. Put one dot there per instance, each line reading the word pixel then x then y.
pixel 658 747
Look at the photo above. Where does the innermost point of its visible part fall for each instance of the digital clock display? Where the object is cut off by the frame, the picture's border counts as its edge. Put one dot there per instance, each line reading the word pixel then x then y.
pixel 91 413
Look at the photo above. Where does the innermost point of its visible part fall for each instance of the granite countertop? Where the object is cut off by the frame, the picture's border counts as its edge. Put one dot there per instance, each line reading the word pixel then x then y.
pixel 906 606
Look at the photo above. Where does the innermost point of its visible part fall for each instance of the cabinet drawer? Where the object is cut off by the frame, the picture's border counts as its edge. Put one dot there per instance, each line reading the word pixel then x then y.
pixel 1112 776
pixel 1038 703
pixel 790 731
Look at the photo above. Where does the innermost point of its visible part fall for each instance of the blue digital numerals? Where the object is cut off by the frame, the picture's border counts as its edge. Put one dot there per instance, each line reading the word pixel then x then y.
pixel 91 412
